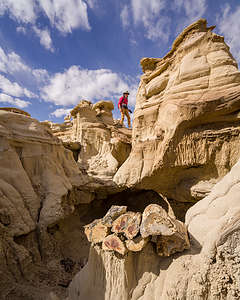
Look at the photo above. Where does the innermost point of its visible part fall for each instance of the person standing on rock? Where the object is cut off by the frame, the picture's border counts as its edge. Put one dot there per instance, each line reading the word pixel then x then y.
pixel 123 107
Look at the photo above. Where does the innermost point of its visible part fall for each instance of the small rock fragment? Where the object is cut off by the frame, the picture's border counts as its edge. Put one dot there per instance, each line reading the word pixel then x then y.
pixel 137 244
pixel 128 223
pixel 113 213
pixel 112 242
pixel 96 231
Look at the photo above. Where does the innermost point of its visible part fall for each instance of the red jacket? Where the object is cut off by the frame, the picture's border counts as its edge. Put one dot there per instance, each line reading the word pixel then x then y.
pixel 122 100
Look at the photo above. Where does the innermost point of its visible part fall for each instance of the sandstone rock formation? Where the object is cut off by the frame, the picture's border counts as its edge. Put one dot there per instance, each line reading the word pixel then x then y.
pixel 185 139
pixel 186 120
pixel 41 187
pixel 100 147
pixel 209 270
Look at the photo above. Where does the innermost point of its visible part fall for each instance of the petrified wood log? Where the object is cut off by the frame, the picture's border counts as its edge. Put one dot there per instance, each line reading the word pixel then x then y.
pixel 128 223
pixel 113 242
pixel 156 221
pixel 137 244
pixel 168 245
pixel 96 231
pixel 171 234
pixel 113 213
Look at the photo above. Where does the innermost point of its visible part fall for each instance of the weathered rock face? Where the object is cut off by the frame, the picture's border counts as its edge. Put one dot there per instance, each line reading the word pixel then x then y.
pixel 186 122
pixel 100 147
pixel 40 188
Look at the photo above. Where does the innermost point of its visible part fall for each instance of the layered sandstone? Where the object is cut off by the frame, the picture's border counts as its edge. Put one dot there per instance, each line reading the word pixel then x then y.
pixel 186 121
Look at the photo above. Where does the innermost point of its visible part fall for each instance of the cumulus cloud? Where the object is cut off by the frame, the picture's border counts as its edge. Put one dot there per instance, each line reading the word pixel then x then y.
pixel 13 101
pixel 69 87
pixel 14 89
pixel 45 38
pixel 60 112
pixel 228 25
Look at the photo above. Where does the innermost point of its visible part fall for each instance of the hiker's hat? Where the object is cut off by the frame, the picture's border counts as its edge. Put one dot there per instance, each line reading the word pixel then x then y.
pixel 126 92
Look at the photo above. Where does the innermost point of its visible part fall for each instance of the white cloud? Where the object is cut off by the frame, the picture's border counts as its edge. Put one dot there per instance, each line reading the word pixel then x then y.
pixel 41 75
pixel 14 101
pixel 229 24
pixel 21 29
pixel 14 89
pixel 194 9
pixel 45 38
pixel 125 16
pixel 66 15
pixel 74 84
pixel 154 15
pixel 144 11
pixel 11 63
pixel 19 10
pixel 61 112
pixel 148 13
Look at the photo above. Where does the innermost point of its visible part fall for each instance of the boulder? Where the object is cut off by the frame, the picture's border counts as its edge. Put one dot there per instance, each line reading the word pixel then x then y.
pixel 128 223
pixel 113 243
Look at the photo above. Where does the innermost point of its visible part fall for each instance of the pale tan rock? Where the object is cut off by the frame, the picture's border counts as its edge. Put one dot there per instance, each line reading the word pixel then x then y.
pixel 137 243
pixel 96 231
pixel 40 188
pixel 117 278
pixel 94 125
pixel 128 223
pixel 186 105
pixel 113 243
pixel 113 213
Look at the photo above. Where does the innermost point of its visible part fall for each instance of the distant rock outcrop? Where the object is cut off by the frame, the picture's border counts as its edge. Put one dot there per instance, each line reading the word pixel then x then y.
pixel 186 121
pixel 100 146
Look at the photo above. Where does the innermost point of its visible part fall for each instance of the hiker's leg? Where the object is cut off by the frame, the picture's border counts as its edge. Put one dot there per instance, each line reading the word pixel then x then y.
pixel 128 118
pixel 122 116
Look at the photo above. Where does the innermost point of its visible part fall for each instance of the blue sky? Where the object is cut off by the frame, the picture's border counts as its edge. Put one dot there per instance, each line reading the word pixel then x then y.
pixel 53 53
